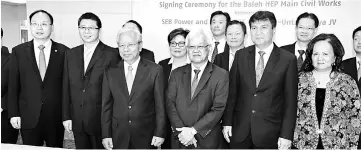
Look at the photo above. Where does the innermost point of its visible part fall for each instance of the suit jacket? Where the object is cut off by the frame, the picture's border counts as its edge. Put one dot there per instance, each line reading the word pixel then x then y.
pixel 147 54
pixel 28 94
pixel 82 91
pixel 4 76
pixel 269 111
pixel 289 48
pixel 338 128
pixel 349 67
pixel 204 111
pixel 167 68
pixel 136 117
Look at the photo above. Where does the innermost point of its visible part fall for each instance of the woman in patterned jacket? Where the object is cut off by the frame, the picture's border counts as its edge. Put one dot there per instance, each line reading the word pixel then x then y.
pixel 328 113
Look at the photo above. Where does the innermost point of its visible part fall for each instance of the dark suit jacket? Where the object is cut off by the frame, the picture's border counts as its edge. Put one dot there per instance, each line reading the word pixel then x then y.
pixel 349 67
pixel 204 110
pixel 82 92
pixel 136 117
pixel 167 68
pixel 290 48
pixel 147 54
pixel 28 94
pixel 4 76
pixel 268 111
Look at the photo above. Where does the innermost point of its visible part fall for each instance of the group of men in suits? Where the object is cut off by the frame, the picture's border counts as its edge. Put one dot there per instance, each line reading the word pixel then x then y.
pixel 116 98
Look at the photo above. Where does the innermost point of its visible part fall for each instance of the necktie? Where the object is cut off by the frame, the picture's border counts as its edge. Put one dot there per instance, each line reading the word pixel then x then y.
pixel 42 64
pixel 359 70
pixel 231 59
pixel 300 59
pixel 195 81
pixel 215 51
pixel 259 68
pixel 130 78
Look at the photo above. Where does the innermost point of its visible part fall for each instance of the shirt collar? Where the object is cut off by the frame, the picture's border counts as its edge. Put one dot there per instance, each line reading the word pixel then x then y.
pixel 93 47
pixel 223 40
pixel 46 44
pixel 200 68
pixel 297 47
pixel 134 65
pixel 267 50
pixel 172 59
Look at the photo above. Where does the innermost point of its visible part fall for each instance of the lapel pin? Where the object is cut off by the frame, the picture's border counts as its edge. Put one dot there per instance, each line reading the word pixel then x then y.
pixel 56 50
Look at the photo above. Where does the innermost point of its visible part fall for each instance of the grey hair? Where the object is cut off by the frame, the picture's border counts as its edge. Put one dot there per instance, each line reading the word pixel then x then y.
pixel 198 33
pixel 126 30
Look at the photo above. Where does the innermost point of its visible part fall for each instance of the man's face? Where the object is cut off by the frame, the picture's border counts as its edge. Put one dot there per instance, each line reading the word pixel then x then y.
pixel 218 25
pixel 306 30
pixel 262 33
pixel 198 50
pixel 235 35
pixel 40 26
pixel 88 30
pixel 128 46
pixel 357 42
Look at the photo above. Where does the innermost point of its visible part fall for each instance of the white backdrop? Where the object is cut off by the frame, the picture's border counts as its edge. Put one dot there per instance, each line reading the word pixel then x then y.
pixel 159 17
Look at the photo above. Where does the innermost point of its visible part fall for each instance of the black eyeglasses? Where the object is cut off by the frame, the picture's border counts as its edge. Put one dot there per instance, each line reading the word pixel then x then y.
pixel 180 44
pixel 88 28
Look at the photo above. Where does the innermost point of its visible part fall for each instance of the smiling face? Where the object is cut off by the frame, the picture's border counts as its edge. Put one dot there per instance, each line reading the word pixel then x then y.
pixel 235 35
pixel 177 47
pixel 306 30
pixel 218 25
pixel 323 56
pixel 357 42
pixel 88 30
pixel 41 26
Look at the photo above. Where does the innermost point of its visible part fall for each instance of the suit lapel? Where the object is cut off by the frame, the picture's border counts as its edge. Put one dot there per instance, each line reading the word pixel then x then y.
pixel 293 48
pixel 353 69
pixel 226 58
pixel 203 80
pixel 140 73
pixel 54 58
pixel 122 80
pixel 97 53
pixel 187 81
pixel 272 61
pixel 80 59
pixel 31 55
pixel 251 66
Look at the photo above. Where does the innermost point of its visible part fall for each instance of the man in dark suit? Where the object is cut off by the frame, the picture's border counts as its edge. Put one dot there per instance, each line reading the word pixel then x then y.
pixel 8 133
pixel 35 85
pixel 262 101
pixel 196 97
pixel 306 29
pixel 83 72
pixel 133 108
pixel 235 35
pixel 352 66
pixel 145 53
pixel 218 22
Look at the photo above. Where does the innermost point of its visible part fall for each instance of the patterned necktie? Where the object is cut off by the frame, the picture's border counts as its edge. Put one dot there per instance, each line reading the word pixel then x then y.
pixel 195 81
pixel 300 59
pixel 359 70
pixel 259 68
pixel 215 52
pixel 42 64
pixel 130 78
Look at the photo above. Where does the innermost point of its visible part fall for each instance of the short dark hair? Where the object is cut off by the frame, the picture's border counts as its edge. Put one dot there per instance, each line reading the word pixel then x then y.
pixel 263 16
pixel 337 47
pixel 91 16
pixel 353 33
pixel 220 13
pixel 136 23
pixel 308 15
pixel 42 11
pixel 237 22
pixel 175 32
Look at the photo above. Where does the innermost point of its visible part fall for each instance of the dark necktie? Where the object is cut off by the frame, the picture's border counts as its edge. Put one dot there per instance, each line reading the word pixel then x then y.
pixel 300 59
pixel 259 68
pixel 215 51
pixel 195 81
pixel 42 64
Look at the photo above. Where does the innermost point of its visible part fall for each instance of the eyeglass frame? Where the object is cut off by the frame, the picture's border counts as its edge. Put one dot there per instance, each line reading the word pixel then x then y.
pixel 87 28
pixel 305 28
pixel 43 24
pixel 132 46
pixel 174 44
pixel 197 47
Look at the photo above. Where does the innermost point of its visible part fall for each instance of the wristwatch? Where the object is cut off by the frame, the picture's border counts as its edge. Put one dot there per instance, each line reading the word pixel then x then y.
pixel 193 131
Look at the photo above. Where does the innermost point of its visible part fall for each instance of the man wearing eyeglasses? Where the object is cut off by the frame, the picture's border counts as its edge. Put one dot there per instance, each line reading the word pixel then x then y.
pixel 133 110
pixel 83 72
pixel 196 97
pixel 306 29
pixel 35 86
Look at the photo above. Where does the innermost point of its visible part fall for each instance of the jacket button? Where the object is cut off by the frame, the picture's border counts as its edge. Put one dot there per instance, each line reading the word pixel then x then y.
pixel 129 107
pixel 83 90
pixel 255 95
pixel 130 121
pixel 253 111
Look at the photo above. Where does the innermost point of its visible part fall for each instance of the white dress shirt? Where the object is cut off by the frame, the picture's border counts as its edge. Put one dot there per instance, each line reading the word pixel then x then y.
pixel 266 56
pixel 221 45
pixel 134 66
pixel 231 59
pixel 200 73
pixel 88 53
pixel 297 47
pixel 47 51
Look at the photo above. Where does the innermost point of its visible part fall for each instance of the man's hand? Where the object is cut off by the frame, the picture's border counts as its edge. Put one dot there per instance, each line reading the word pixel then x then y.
pixel 108 143
pixel 186 135
pixel 284 143
pixel 16 122
pixel 68 125
pixel 193 141
pixel 157 141
pixel 227 133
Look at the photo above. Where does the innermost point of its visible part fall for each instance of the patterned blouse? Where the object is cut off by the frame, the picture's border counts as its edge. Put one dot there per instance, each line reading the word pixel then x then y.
pixel 340 123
